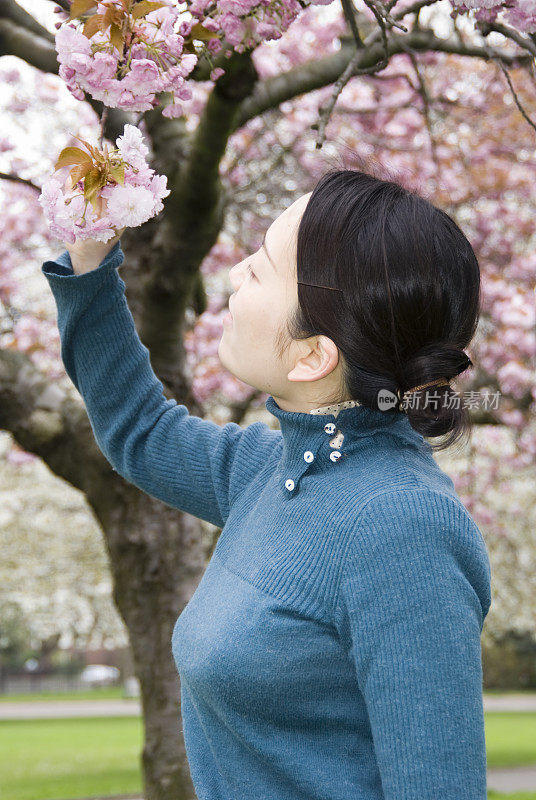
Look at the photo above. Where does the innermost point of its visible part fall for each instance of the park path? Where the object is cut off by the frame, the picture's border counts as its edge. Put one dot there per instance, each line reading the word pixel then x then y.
pixel 57 709
pixel 512 779
pixel 49 709
pixel 510 702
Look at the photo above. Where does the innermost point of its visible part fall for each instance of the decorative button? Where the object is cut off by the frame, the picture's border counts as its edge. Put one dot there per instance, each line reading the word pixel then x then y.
pixel 335 455
pixel 337 440
pixel 329 427
pixel 308 456
pixel 290 484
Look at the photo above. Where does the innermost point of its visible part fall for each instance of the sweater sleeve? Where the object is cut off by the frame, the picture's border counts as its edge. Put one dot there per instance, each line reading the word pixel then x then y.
pixel 187 462
pixel 414 593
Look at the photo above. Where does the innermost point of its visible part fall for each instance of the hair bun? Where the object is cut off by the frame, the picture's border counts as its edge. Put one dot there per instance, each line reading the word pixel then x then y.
pixel 442 413
pixel 432 362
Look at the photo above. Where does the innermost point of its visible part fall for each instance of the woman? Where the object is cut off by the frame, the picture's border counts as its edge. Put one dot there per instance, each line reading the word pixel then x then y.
pixel 331 650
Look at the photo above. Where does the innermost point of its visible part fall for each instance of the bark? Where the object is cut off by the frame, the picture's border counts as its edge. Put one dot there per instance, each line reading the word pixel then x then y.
pixel 175 244
pixel 156 559
pixel 16 40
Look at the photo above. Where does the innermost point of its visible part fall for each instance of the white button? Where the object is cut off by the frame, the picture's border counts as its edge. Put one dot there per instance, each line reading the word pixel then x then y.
pixel 308 456
pixel 289 484
pixel 335 455
pixel 329 427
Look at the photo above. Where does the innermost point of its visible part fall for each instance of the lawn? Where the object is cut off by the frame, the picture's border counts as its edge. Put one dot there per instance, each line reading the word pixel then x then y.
pixel 66 758
pixel 98 757
pixel 103 693
pixel 515 796
pixel 510 738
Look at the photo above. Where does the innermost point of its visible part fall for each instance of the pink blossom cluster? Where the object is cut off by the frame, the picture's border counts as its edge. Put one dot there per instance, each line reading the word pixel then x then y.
pixel 70 215
pixel 152 61
pixel 247 23
pixel 521 14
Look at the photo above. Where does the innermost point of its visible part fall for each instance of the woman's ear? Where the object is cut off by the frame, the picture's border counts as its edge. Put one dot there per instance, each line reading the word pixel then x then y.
pixel 320 356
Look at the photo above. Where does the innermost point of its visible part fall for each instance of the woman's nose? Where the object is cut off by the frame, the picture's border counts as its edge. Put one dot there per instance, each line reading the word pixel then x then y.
pixel 235 276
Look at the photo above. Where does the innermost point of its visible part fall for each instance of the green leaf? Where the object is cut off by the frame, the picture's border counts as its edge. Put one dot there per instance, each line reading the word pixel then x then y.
pixel 87 144
pixel 72 155
pixel 116 38
pixel 93 25
pixel 92 183
pixel 108 18
pixel 118 173
pixel 189 47
pixel 145 7
pixel 77 173
pixel 201 33
pixel 80 7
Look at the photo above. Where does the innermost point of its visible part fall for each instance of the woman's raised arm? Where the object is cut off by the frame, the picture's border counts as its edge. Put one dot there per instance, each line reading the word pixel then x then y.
pixel 187 462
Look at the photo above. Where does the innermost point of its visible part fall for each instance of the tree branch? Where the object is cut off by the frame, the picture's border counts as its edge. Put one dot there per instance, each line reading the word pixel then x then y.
pixel 414 8
pixel 427 103
pixel 193 215
pixel 197 185
pixel 383 19
pixel 169 139
pixel 116 118
pixel 6 176
pixel 46 420
pixel 514 93
pixel 351 16
pixel 27 45
pixel 321 72
pixel 523 41
pixel 62 4
pixel 11 10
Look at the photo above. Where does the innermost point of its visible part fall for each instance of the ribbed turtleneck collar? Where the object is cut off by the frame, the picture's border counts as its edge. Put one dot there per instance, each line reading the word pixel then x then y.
pixel 328 439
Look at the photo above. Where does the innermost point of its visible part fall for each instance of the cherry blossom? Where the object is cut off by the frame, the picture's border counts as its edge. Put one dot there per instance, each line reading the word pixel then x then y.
pixel 521 14
pixel 126 54
pixel 95 198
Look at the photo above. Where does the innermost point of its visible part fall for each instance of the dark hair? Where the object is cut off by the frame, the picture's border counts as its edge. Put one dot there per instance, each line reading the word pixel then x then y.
pixel 409 300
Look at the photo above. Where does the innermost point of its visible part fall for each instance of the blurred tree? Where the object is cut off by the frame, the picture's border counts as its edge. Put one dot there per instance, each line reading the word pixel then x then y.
pixel 15 640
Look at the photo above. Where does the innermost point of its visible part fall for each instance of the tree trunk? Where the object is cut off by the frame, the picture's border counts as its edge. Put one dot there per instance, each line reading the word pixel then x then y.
pixel 157 559
pixel 156 554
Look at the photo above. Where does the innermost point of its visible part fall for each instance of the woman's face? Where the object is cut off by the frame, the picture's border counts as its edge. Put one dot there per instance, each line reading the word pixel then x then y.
pixel 265 292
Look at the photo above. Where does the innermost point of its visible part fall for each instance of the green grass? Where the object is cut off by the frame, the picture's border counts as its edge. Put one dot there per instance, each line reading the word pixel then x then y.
pixel 67 758
pixel 515 796
pixel 510 738
pixel 103 693
pixel 99 757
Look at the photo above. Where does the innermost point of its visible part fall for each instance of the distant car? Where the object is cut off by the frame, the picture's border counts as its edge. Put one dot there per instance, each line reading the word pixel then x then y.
pixel 99 675
pixel 131 687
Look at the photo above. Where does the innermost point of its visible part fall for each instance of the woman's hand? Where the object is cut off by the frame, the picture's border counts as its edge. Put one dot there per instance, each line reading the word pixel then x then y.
pixel 87 254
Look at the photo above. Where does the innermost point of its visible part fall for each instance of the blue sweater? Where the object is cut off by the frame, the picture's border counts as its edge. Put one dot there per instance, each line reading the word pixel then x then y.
pixel 331 650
